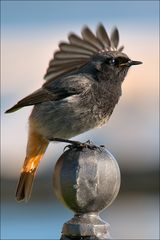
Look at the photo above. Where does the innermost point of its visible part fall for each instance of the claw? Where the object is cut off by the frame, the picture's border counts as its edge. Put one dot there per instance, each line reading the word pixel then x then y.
pixel 77 144
pixel 69 146
pixel 88 144
pixel 102 146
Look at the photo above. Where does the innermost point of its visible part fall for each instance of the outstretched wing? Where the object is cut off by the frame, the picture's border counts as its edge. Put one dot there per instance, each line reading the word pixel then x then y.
pixel 78 51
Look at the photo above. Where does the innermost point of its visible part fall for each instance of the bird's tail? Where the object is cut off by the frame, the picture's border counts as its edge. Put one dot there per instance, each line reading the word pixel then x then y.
pixel 36 148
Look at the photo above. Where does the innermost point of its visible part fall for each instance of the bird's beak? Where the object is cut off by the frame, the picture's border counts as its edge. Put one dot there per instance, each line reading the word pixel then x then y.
pixel 130 63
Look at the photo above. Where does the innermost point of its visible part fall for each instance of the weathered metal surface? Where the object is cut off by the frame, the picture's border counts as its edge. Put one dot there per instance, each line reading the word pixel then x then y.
pixel 89 224
pixel 87 181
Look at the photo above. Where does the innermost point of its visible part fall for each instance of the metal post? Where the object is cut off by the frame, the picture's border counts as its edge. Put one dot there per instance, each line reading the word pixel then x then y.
pixel 87 181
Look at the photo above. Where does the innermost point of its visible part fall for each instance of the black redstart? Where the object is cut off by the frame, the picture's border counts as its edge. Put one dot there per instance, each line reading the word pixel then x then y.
pixel 83 85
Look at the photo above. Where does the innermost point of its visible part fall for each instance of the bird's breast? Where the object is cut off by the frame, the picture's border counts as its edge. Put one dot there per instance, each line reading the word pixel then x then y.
pixel 105 99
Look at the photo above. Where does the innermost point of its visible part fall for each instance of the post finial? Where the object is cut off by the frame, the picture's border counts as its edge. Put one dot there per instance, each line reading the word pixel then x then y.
pixel 87 181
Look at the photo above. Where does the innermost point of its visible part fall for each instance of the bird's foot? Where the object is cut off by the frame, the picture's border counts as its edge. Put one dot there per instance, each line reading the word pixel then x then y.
pixel 78 145
pixel 88 144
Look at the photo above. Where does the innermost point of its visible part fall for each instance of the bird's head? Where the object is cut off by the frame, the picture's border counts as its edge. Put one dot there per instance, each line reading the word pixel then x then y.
pixel 113 64
pixel 100 50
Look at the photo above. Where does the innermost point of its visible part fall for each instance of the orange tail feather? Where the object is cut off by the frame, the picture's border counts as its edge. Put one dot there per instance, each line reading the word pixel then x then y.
pixel 36 148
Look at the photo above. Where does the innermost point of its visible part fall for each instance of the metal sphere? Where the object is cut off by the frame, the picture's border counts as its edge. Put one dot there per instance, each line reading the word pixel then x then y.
pixel 86 180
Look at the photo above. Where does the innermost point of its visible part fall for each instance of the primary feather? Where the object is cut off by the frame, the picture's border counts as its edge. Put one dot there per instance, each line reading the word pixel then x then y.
pixel 103 36
pixel 114 38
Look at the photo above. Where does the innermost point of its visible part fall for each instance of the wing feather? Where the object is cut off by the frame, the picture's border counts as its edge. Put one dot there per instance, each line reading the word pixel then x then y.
pixel 70 55
pixel 41 95
pixel 74 39
pixel 120 49
pixel 91 38
pixel 103 36
pixel 66 47
pixel 114 38
pixel 61 69
pixel 60 62
pixel 79 50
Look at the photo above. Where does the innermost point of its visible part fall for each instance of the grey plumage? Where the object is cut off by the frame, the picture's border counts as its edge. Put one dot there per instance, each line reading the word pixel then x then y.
pixel 82 88
pixel 82 82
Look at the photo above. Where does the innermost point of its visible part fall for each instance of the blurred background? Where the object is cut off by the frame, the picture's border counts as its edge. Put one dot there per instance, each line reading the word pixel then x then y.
pixel 30 33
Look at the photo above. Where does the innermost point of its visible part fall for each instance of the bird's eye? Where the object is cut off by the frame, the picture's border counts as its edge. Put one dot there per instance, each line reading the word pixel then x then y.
pixel 112 61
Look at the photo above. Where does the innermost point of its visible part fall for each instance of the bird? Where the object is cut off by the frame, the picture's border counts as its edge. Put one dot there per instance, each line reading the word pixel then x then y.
pixel 81 89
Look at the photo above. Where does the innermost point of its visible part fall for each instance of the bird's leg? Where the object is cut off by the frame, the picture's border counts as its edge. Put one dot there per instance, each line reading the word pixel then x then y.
pixel 77 144
pixel 65 140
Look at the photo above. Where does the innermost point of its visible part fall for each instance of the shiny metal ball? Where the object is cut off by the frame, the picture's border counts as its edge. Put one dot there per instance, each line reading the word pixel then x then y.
pixel 86 180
